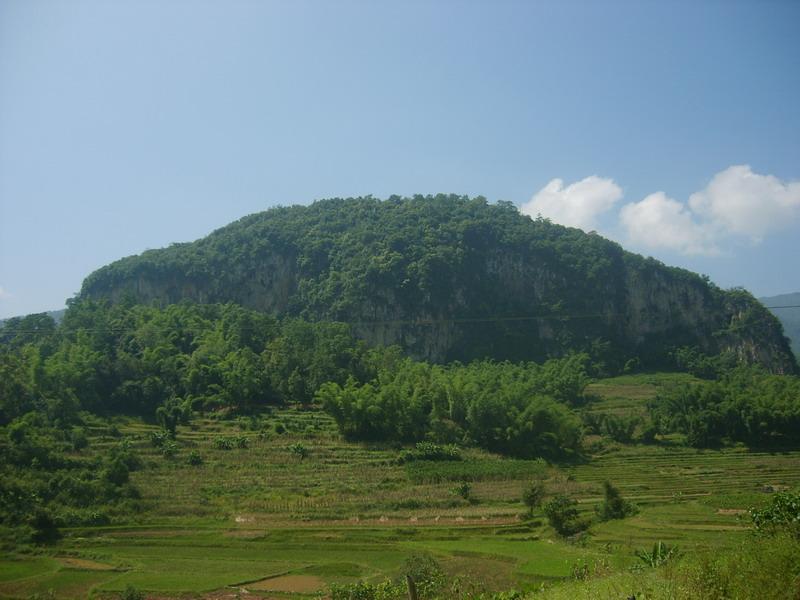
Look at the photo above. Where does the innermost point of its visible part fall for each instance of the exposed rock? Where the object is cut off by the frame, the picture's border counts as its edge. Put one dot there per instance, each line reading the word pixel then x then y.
pixel 488 283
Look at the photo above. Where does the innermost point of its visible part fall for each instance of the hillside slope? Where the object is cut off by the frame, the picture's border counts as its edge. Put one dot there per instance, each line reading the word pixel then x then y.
pixel 452 278
pixel 789 317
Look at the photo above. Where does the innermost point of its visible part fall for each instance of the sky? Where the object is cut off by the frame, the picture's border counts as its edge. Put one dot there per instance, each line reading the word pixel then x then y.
pixel 672 128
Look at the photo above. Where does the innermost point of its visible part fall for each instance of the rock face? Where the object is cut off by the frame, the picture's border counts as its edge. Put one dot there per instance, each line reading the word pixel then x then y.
pixel 449 277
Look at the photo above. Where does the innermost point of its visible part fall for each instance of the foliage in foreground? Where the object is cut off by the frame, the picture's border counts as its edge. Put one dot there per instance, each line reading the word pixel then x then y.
pixel 45 484
pixel 781 516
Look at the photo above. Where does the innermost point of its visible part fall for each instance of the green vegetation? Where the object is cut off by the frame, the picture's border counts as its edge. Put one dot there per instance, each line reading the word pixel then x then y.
pixel 563 515
pixel 519 410
pixel 744 405
pixel 189 449
pixel 614 506
pixel 781 516
pixel 451 278
pixel 349 513
pixel 533 495
pixel 431 451
pixel 660 554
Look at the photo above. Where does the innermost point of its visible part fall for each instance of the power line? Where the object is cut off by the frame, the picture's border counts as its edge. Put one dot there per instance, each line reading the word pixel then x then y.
pixel 417 322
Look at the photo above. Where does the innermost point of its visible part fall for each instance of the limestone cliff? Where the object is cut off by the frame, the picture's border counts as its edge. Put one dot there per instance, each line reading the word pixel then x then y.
pixel 449 277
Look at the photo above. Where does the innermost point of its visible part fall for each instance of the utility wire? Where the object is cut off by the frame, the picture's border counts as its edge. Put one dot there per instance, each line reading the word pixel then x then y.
pixel 456 320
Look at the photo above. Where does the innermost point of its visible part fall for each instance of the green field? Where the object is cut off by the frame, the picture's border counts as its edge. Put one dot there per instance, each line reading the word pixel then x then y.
pixel 265 520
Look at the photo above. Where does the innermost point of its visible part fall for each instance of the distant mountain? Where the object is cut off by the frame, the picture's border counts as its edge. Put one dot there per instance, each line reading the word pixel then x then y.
pixel 452 278
pixel 56 315
pixel 789 317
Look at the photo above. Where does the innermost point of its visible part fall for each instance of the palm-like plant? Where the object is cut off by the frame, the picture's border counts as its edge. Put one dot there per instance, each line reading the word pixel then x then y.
pixel 660 554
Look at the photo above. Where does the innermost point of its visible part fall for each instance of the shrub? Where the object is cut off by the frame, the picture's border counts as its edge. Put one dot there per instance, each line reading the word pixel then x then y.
pixel 649 432
pixel 224 443
pixel 361 590
pixel 229 443
pixel 660 554
pixel 169 448
pixel 782 515
pixel 620 429
pixel 533 495
pixel 131 593
pixel 614 506
pixel 426 573
pixel 563 516
pixel 45 530
pixel 79 439
pixel 116 471
pixel 463 489
pixel 194 459
pixel 298 449
pixel 431 451
pixel 159 438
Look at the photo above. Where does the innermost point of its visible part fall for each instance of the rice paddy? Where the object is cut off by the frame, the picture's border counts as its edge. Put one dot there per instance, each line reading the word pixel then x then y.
pixel 272 522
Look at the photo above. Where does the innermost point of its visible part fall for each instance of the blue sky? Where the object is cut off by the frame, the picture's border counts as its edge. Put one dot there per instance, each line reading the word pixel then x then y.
pixel 671 127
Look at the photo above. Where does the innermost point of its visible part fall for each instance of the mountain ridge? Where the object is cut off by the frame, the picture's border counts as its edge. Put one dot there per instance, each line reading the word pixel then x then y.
pixel 452 278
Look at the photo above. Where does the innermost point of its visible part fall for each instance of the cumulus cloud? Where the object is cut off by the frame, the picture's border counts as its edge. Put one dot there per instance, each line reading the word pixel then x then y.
pixel 736 203
pixel 739 201
pixel 576 205
pixel 661 222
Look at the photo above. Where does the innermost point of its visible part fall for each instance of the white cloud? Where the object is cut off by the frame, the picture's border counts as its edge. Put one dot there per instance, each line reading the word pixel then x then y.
pixel 576 205
pixel 4 294
pixel 738 201
pixel 661 222
pixel 736 204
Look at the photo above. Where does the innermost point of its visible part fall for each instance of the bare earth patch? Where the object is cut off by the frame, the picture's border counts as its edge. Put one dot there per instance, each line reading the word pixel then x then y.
pixel 244 533
pixel 83 564
pixel 732 511
pixel 148 533
pixel 300 584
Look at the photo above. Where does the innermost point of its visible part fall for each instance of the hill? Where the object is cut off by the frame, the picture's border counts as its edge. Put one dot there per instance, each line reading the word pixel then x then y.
pixel 56 315
pixel 789 317
pixel 452 278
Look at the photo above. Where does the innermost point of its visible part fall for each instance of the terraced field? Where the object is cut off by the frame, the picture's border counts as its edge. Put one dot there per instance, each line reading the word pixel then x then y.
pixel 281 523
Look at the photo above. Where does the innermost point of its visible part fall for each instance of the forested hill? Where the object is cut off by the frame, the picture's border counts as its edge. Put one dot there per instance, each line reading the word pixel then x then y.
pixel 452 278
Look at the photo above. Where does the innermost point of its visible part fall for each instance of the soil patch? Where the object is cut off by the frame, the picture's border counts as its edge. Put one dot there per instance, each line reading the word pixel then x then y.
pixel 245 533
pixel 83 564
pixel 299 584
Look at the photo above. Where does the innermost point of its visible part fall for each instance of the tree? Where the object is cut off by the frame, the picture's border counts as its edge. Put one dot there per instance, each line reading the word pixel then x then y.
pixel 563 516
pixel 533 495
pixel 614 506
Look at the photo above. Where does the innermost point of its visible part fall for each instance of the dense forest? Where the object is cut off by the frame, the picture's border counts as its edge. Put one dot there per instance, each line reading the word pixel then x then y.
pixel 168 365
pixel 453 278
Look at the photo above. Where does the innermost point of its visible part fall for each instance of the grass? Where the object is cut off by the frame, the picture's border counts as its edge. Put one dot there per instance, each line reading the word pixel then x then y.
pixel 350 511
